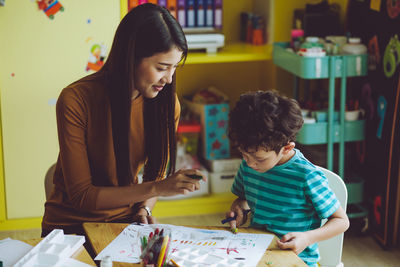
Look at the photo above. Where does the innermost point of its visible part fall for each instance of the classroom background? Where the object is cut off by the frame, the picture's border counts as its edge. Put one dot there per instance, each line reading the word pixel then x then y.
pixel 44 48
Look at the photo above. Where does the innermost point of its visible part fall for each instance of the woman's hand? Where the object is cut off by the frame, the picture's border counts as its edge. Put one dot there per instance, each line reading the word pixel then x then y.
pixel 142 217
pixel 295 241
pixel 180 183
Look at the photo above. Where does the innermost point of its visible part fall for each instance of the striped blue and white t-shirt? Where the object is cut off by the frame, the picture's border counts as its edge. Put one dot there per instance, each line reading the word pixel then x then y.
pixel 292 197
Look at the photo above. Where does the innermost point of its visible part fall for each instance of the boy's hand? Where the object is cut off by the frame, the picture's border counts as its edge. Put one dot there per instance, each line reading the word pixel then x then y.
pixel 237 208
pixel 233 223
pixel 296 241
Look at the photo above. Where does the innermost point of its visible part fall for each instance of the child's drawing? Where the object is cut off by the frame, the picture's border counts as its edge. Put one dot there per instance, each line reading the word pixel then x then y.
pixel 205 246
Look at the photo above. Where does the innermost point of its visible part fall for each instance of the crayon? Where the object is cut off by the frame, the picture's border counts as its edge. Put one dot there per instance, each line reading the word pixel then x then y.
pixel 194 176
pixel 146 251
pixel 174 263
pixel 167 249
pixel 156 249
pixel 234 217
pixel 162 253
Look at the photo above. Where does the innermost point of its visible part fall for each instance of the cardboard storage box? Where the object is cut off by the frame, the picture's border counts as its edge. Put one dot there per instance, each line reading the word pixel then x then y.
pixel 214 121
pixel 221 182
pixel 223 165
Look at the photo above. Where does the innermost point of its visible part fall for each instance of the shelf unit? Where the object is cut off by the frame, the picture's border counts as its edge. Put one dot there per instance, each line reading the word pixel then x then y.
pixel 330 132
pixel 249 59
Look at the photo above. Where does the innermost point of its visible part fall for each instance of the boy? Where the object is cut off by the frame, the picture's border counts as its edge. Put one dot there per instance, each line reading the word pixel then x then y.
pixel 286 194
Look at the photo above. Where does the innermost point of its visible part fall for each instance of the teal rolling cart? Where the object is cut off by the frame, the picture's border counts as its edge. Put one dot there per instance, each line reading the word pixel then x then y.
pixel 330 132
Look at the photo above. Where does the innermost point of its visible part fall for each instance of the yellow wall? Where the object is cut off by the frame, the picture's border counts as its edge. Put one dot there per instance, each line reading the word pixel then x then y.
pixel 2 191
pixel 38 57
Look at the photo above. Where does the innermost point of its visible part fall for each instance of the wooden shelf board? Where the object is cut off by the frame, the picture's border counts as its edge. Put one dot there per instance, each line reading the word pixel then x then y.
pixel 209 204
pixel 237 52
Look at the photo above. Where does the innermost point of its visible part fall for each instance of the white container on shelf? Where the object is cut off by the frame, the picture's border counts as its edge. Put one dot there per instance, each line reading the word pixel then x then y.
pixel 340 41
pixel 352 115
pixel 223 165
pixel 221 182
pixel 354 47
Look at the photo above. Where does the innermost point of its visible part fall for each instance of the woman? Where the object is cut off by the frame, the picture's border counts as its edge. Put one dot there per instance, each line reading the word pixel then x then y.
pixel 113 122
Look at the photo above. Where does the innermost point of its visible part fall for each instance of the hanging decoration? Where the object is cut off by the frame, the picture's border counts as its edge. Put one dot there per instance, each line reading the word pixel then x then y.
pixel 382 104
pixel 391 56
pixel 50 7
pixel 96 57
pixel 393 8
pixel 374 56
pixel 375 5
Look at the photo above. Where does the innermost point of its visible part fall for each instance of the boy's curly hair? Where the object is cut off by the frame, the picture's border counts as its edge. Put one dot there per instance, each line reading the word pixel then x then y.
pixel 264 119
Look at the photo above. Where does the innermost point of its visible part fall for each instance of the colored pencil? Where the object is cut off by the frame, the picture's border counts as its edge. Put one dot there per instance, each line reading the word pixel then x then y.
pixel 173 262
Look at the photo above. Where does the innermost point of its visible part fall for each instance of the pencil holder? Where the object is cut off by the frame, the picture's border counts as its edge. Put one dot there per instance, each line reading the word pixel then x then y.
pixel 155 249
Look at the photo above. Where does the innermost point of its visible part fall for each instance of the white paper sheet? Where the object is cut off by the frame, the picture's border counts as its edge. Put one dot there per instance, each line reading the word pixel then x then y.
pixel 12 250
pixel 208 247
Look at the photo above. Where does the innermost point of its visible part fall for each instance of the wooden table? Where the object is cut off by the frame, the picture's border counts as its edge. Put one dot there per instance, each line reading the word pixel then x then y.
pixel 81 254
pixel 101 234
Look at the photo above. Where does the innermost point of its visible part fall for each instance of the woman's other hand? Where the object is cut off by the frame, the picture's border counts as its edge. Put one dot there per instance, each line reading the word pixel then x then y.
pixel 142 217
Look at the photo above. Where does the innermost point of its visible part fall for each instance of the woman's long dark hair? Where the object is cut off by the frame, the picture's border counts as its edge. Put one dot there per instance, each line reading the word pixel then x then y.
pixel 146 30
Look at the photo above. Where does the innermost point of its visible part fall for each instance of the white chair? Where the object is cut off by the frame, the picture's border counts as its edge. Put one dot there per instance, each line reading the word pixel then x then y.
pixel 331 249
